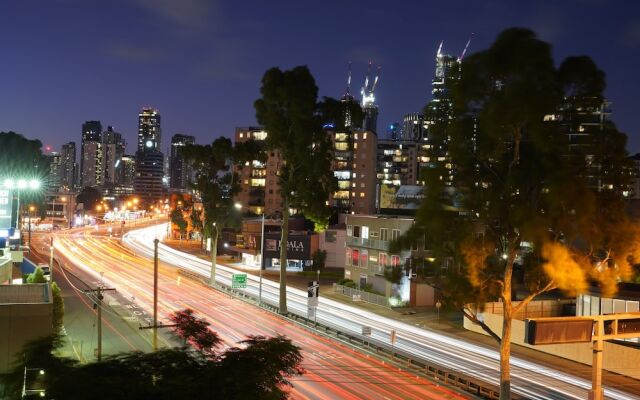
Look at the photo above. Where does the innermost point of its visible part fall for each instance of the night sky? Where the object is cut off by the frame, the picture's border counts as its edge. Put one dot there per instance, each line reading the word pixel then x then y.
pixel 200 62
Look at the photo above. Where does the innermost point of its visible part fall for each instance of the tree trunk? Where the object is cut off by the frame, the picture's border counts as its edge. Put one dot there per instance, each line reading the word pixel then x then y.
pixel 505 355
pixel 214 256
pixel 283 257
pixel 505 343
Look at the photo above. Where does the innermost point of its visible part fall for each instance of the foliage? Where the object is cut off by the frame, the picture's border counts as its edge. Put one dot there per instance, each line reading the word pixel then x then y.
pixel 89 197
pixel 348 283
pixel 177 218
pixel 519 198
pixel 261 369
pixel 37 276
pixel 21 157
pixel 290 113
pixel 58 307
pixel 194 330
pixel 393 274
pixel 270 354
pixel 196 219
pixel 319 259
pixel 217 184
pixel 334 111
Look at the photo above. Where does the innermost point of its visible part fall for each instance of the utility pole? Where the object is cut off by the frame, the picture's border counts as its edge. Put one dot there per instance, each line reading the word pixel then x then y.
pixel 98 291
pixel 155 325
pixel 50 256
pixel 261 260
pixel 155 294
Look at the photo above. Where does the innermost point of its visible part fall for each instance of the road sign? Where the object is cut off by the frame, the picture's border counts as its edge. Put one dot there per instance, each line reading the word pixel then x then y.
pixel 239 281
pixel 312 293
pixel 392 336
pixel 311 312
pixel 366 331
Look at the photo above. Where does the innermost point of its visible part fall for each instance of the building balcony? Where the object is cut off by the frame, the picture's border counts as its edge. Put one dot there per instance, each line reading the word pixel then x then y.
pixel 376 244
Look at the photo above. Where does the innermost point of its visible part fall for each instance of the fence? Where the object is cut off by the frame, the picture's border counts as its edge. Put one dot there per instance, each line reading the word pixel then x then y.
pixel 361 295
pixel 535 309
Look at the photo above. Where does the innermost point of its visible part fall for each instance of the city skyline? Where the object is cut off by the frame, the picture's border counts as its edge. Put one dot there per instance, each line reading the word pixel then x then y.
pixel 201 64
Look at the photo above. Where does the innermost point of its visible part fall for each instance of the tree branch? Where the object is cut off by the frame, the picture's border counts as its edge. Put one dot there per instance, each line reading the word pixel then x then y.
pixel 550 286
pixel 474 318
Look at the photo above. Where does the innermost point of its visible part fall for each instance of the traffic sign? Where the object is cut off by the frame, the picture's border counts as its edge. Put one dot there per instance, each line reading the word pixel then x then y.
pixel 312 294
pixel 366 331
pixel 311 312
pixel 239 281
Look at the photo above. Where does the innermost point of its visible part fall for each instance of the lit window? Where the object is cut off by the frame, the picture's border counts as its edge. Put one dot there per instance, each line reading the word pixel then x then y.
pixel 348 261
pixel 241 135
pixel 361 194
pixel 364 136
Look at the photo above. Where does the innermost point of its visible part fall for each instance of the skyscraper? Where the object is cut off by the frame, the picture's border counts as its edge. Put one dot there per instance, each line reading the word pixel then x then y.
pixel 113 147
pixel 149 158
pixel 149 132
pixel 179 170
pixel 54 160
pixel 438 115
pixel 69 166
pixel 412 127
pixel 91 159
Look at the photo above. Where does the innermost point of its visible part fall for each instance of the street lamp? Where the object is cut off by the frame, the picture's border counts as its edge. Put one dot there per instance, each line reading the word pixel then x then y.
pixel 31 210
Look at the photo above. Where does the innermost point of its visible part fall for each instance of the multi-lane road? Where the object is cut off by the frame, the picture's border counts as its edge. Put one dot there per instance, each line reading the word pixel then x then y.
pixel 333 371
pixel 529 379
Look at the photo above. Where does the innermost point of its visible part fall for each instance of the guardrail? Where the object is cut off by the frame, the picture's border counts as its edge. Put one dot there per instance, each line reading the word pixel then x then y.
pixel 361 295
pixel 391 354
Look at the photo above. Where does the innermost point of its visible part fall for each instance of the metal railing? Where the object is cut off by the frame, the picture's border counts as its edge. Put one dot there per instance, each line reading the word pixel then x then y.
pixel 370 243
pixel 361 295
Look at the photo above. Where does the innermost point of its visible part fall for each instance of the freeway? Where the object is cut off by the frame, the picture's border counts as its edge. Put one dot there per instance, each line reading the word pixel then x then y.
pixel 332 369
pixel 529 379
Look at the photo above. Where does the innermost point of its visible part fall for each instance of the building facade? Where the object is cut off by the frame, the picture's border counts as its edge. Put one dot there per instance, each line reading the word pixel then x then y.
pixel 367 253
pixel 397 163
pixel 260 190
pixel 149 174
pixel 69 166
pixel 91 158
pixel 149 130
pixel 179 171
pixel 54 159
pixel 113 148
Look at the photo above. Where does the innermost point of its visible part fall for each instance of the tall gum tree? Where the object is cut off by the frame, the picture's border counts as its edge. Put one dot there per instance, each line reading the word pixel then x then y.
pixel 289 111
pixel 217 184
pixel 518 201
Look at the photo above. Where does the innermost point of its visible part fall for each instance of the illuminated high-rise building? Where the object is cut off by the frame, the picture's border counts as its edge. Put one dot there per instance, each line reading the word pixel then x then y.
pixel 149 131
pixel 91 157
pixel 179 170
pixel 149 159
pixel 113 148
pixel 69 166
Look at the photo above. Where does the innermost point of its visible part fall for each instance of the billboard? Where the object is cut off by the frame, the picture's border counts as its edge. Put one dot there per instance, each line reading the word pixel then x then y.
pixel 5 209
pixel 404 197
pixel 298 246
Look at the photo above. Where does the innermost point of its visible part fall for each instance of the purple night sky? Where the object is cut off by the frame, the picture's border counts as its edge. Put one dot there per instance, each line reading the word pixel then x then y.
pixel 200 61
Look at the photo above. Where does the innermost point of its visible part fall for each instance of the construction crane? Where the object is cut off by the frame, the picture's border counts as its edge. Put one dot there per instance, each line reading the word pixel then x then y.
pixel 367 91
pixel 465 48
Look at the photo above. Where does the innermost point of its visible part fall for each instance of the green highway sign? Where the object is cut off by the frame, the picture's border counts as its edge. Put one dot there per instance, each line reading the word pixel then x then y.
pixel 239 281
